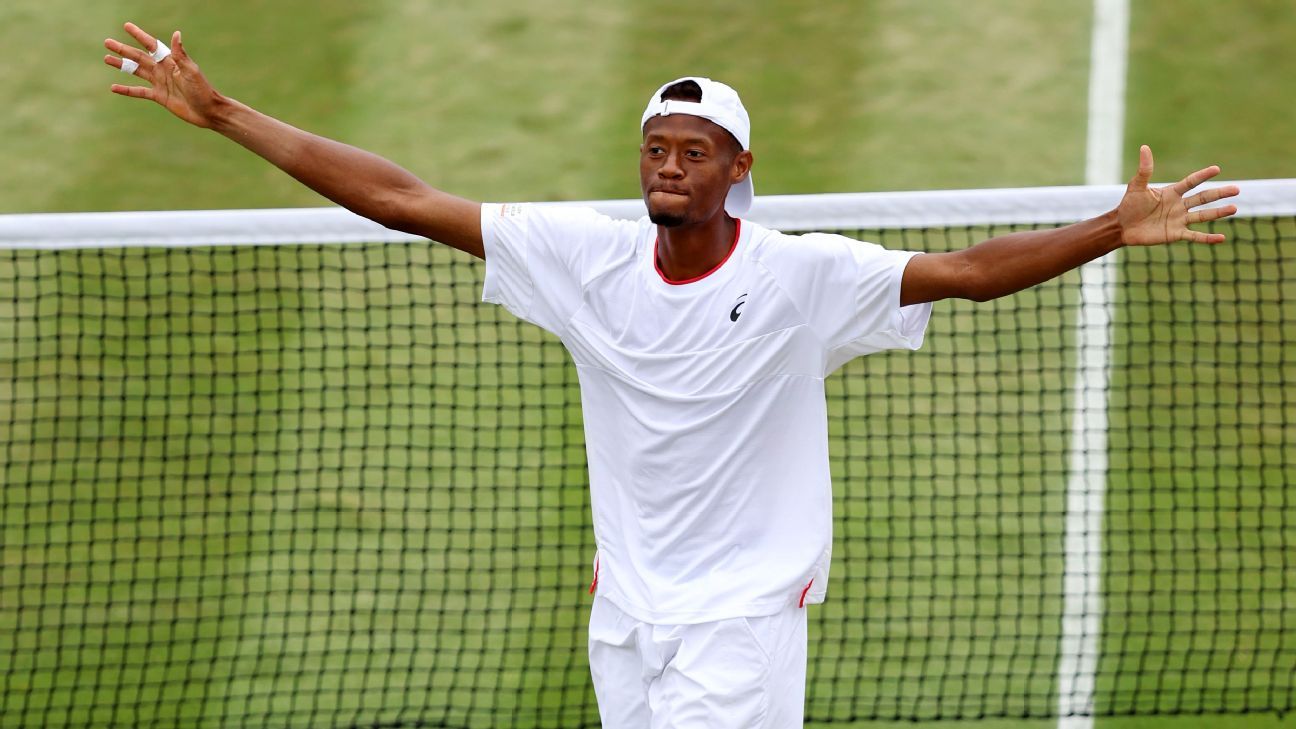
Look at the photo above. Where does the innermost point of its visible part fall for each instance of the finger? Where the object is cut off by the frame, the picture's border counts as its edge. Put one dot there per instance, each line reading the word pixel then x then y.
pixel 177 51
pixel 1209 214
pixel 1199 237
pixel 148 42
pixel 131 52
pixel 126 65
pixel 1183 186
pixel 1205 197
pixel 135 92
pixel 120 65
pixel 1145 167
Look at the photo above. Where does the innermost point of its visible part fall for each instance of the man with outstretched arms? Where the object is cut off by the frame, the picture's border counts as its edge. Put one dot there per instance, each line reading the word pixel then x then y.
pixel 702 341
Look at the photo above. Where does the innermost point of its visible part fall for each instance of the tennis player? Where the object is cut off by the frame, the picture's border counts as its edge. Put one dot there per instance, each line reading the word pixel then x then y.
pixel 702 341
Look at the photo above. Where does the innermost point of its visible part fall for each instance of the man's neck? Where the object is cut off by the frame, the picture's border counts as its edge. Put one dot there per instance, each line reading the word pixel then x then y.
pixel 686 252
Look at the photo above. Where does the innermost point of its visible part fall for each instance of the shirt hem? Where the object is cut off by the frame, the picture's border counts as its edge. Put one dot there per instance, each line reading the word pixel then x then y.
pixel 758 609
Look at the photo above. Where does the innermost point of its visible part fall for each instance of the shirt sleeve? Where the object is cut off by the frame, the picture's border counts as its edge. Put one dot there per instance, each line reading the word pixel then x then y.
pixel 849 291
pixel 538 257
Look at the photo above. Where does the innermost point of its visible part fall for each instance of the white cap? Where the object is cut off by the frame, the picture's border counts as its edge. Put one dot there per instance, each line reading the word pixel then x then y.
pixel 720 104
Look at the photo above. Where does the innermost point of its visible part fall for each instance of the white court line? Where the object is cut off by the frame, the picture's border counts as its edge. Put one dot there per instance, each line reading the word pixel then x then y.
pixel 1087 482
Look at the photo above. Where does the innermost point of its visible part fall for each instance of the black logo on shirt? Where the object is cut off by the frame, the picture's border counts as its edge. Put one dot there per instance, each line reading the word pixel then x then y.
pixel 734 314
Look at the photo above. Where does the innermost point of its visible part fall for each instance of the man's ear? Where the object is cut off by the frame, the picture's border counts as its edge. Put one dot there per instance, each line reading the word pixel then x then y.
pixel 742 164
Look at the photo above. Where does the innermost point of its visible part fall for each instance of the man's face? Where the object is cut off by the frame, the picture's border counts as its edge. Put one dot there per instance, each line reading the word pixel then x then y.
pixel 686 166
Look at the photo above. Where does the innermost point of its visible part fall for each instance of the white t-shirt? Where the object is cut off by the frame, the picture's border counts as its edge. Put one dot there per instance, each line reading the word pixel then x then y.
pixel 706 426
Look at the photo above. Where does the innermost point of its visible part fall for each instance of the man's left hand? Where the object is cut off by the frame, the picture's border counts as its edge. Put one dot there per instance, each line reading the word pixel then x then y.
pixel 1149 216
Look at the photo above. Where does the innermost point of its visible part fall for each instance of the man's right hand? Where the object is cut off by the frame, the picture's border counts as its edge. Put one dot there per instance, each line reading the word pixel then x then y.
pixel 353 178
pixel 176 82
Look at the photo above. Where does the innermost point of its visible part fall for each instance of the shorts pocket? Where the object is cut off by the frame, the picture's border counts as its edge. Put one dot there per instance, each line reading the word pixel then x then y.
pixel 763 633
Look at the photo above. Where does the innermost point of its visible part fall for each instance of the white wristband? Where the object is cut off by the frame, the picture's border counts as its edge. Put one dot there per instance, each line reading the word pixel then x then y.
pixel 162 51
pixel 128 66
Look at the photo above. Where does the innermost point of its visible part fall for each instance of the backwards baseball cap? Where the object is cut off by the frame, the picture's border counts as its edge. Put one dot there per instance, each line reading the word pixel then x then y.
pixel 720 104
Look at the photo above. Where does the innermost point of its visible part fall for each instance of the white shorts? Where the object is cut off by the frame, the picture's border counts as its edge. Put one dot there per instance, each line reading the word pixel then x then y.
pixel 744 673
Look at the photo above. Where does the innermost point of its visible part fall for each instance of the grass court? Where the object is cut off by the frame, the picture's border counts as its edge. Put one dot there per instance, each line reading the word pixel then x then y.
pixel 357 460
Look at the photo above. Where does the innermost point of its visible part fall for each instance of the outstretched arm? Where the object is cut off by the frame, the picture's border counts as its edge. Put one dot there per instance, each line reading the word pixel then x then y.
pixel 357 180
pixel 1008 264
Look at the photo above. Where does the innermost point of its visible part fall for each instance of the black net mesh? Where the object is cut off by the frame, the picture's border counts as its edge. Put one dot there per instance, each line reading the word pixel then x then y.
pixel 322 486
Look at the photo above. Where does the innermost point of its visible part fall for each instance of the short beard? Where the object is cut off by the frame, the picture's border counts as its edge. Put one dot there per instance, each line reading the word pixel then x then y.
pixel 666 220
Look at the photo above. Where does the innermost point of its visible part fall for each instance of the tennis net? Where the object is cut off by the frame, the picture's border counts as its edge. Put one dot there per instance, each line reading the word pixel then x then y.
pixel 280 468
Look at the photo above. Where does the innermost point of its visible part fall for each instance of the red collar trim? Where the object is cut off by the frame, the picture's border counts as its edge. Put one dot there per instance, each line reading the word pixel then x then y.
pixel 732 247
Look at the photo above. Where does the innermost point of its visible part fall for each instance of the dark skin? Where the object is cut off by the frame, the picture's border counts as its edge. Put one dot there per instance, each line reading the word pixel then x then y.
pixel 353 178
pixel 698 157
pixel 1010 263
pixel 686 166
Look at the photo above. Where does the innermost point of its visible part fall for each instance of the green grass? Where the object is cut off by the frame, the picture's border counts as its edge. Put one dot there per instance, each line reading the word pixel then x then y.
pixel 1200 484
pixel 950 465
pixel 1209 85
pixel 511 100
pixel 238 477
pixel 271 465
